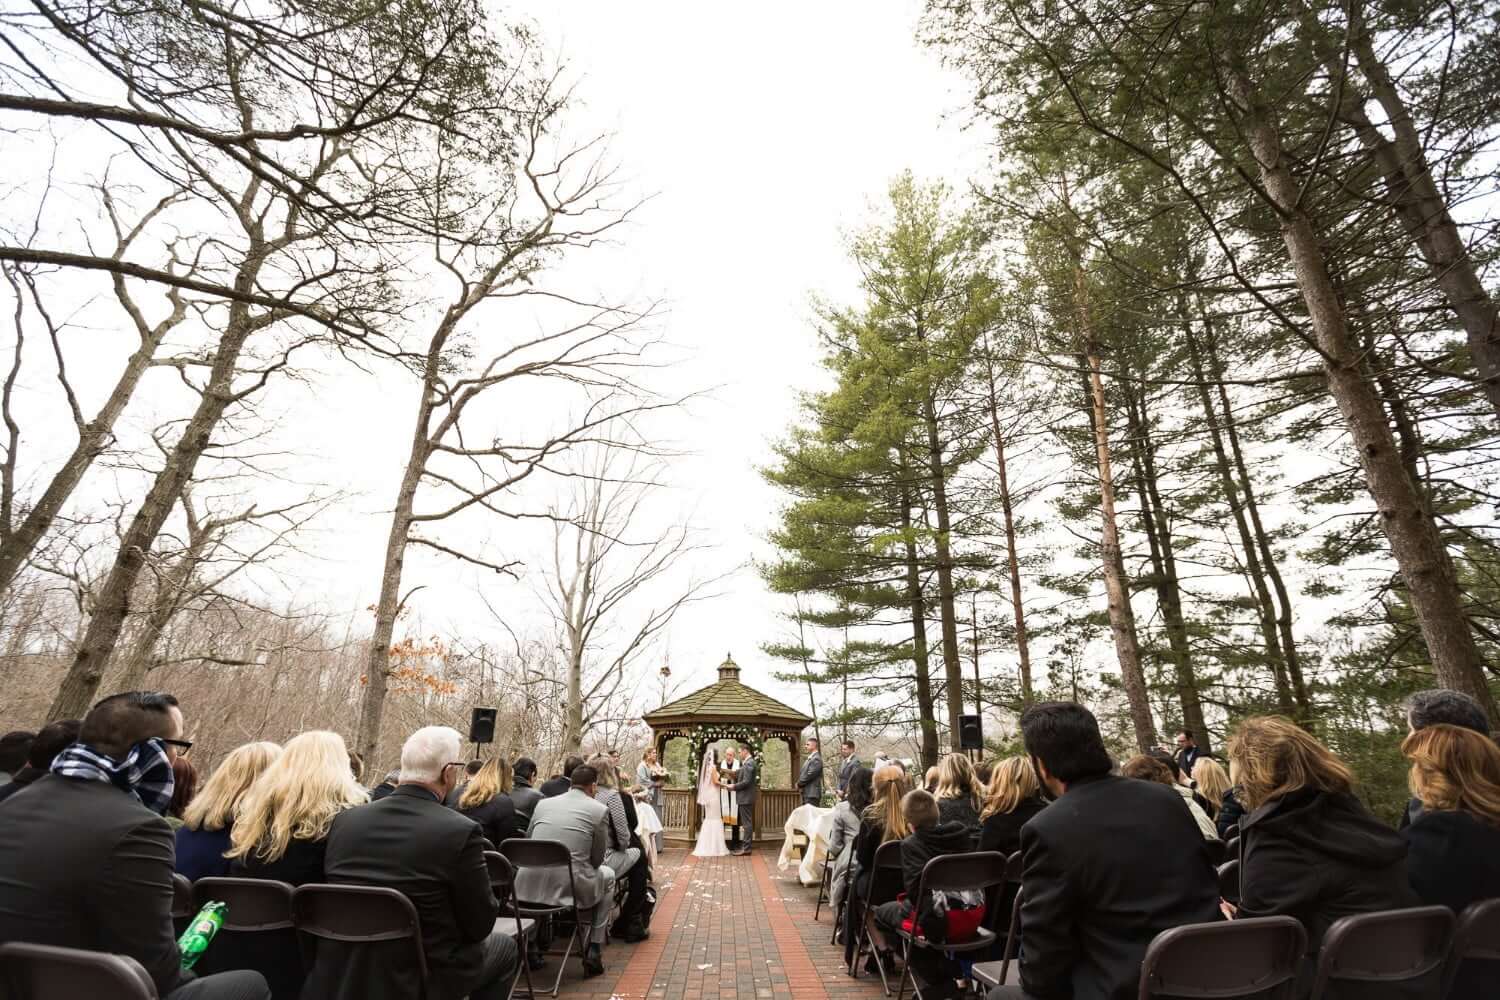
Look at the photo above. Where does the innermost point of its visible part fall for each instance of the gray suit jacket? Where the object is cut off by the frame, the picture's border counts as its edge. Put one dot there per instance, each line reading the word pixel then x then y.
pixel 811 778
pixel 846 771
pixel 579 822
pixel 747 786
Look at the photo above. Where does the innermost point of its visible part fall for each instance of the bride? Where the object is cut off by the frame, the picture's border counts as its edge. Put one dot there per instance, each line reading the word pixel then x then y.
pixel 711 837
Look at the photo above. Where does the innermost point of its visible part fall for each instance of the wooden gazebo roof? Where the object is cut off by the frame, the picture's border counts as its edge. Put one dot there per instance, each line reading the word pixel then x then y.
pixel 728 700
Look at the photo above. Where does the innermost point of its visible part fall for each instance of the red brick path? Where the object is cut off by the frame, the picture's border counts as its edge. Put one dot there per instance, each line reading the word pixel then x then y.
pixel 725 929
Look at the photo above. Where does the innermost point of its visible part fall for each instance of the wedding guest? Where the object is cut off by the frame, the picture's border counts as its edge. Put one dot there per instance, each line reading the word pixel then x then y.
pixel 1441 706
pixel 847 768
pixel 1309 848
pixel 1014 796
pixel 15 746
pixel 86 858
pixel 1231 813
pixel 957 791
pixel 386 786
pixel 281 829
pixel 930 837
pixel 857 794
pixel 470 769
pixel 880 822
pixel 1453 856
pixel 50 741
pixel 1147 768
pixel 579 822
pixel 1187 752
pixel 930 779
pixel 522 793
pixel 184 787
pixel 559 784
pixel 410 842
pixel 486 800
pixel 623 853
pixel 1182 779
pixel 652 777
pixel 1212 781
pixel 1108 866
pixel 203 838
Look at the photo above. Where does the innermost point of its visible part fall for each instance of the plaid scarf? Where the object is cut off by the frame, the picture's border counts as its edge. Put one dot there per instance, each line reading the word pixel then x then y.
pixel 145 772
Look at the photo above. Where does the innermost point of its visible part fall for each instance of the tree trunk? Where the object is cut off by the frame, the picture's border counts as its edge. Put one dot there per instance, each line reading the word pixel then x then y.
pixel 1409 526
pixel 1164 566
pixel 1012 559
pixel 1265 608
pixel 948 615
pixel 925 708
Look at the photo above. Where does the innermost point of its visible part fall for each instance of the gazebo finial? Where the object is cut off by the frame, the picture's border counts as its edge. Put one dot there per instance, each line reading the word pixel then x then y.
pixel 729 670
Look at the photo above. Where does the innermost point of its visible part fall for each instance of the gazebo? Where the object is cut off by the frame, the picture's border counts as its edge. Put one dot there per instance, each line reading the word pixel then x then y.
pixel 727 710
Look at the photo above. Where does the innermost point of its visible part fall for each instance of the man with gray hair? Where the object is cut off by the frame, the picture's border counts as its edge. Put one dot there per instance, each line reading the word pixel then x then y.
pixel 1441 706
pixel 411 842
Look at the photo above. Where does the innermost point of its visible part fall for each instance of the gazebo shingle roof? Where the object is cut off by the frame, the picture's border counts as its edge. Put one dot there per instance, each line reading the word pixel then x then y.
pixel 728 698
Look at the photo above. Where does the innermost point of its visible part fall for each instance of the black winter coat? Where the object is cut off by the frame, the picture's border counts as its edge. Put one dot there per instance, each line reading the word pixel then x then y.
pixel 498 819
pixel 1002 831
pixel 1453 860
pixel 1318 856
pixel 1230 814
pixel 300 865
pixel 959 810
pixel 921 847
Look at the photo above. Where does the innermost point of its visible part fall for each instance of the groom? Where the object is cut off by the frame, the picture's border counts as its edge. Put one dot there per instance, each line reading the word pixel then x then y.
pixel 745 790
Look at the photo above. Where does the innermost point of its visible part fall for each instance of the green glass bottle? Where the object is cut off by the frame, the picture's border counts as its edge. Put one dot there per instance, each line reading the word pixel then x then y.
pixel 195 940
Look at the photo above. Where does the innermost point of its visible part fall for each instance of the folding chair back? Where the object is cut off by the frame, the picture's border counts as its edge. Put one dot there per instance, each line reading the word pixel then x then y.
pixel 350 919
pixel 257 934
pixel 183 909
pixel 1256 957
pixel 1229 880
pixel 886 877
pixel 1232 848
pixel 503 883
pixel 1476 949
pixel 45 972
pixel 1217 854
pixel 522 853
pixel 1370 950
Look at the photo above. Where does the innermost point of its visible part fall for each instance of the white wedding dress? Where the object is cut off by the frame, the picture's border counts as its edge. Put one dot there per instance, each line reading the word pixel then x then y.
pixel 711 837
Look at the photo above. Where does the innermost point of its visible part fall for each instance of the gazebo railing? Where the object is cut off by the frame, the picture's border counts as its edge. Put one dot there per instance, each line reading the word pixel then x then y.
pixel 680 810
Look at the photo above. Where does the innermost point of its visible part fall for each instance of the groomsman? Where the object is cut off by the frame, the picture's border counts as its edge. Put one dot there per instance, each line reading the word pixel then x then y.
pixel 810 781
pixel 848 767
pixel 745 789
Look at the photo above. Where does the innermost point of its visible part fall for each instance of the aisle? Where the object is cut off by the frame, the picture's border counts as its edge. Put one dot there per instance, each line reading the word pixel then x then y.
pixel 727 929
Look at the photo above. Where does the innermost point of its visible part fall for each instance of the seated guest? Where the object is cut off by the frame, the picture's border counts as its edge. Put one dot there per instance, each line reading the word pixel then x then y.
pixel 1308 848
pixel 1441 706
pixel 930 779
pixel 50 741
pixel 409 841
pixel 1231 813
pixel 281 829
pixel 578 821
pixel 1147 768
pixel 386 786
pixel 957 791
pixel 15 747
pixel 1110 865
pixel 203 838
pixel 86 858
pixel 1014 797
pixel 1182 779
pixel 1453 856
pixel 929 838
pixel 559 784
pixel 184 787
pixel 857 793
pixel 622 850
pixel 486 800
pixel 522 794
pixel 880 822
pixel 470 769
pixel 1211 781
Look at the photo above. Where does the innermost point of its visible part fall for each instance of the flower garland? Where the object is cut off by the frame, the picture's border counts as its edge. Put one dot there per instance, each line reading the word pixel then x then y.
pixel 699 737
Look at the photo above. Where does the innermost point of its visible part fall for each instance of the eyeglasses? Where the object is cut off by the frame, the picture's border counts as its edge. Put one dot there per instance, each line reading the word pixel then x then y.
pixel 183 746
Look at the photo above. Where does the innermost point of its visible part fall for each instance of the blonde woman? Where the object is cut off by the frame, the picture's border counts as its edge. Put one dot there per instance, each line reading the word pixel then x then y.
pixel 204 835
pixel 1014 796
pixel 281 828
pixel 882 821
pixel 957 791
pixel 1308 848
pixel 486 800
pixel 1211 781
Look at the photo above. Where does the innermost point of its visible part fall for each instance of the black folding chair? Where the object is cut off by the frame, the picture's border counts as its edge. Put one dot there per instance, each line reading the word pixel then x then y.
pixel 825 885
pixel 992 974
pixel 1232 848
pixel 183 910
pixel 1217 854
pixel 1226 960
pixel 362 916
pixel 503 882
pixel 1477 940
pixel 952 873
pixel 524 853
pixel 44 972
pixel 1406 947
pixel 885 886
pixel 1229 881
pixel 258 932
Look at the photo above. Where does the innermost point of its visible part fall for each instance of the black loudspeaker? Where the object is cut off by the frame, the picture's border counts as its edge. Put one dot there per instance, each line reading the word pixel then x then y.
pixel 482 726
pixel 969 735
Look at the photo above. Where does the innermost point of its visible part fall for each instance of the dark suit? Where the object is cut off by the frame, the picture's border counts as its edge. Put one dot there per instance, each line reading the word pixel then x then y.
pixel 846 771
pixel 553 787
pixel 745 788
pixel 525 798
pixel 810 781
pixel 85 865
pixel 411 842
pixel 1108 866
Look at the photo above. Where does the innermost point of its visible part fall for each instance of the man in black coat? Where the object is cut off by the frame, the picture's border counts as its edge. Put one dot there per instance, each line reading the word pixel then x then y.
pixel 848 767
pixel 559 784
pixel 522 793
pixel 86 857
pixel 411 842
pixel 1107 867
pixel 810 781
pixel 53 738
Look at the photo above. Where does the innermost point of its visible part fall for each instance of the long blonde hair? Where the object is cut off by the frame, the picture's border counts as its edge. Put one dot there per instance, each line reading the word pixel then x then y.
pixel 1012 781
pixel 296 797
pixel 956 780
pixel 1213 782
pixel 1453 768
pixel 885 807
pixel 608 776
pixel 494 778
pixel 1270 756
pixel 214 805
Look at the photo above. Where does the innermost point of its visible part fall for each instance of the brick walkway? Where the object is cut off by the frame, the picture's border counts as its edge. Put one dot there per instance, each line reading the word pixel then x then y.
pixel 725 929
